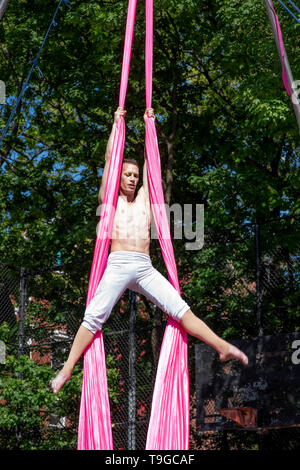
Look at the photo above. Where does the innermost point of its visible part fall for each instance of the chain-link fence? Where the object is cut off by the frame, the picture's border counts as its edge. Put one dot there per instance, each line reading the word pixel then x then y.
pixel 254 271
pixel 262 263
pixel 9 302
pixel 9 294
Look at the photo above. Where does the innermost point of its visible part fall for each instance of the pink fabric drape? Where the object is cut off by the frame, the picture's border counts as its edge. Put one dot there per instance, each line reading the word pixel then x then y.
pixel 282 52
pixel 94 429
pixel 169 421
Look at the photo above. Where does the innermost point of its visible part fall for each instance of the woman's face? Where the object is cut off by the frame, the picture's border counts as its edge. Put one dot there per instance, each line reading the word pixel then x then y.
pixel 129 179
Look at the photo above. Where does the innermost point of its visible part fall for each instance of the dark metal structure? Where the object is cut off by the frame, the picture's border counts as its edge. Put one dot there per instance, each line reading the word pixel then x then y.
pixel 22 308
pixel 132 374
pixel 263 395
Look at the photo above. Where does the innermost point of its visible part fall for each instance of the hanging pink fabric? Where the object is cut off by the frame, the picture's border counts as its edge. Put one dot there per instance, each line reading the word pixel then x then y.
pixel 282 52
pixel 169 421
pixel 94 430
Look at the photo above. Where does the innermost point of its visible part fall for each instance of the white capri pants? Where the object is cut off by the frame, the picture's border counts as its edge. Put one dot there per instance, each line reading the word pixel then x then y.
pixel 131 270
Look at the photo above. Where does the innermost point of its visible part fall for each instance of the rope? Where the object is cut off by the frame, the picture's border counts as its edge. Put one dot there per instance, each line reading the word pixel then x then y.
pixel 34 63
pixel 296 8
pixel 287 9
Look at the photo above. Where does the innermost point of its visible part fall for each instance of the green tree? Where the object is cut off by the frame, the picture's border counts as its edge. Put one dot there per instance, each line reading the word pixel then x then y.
pixel 227 134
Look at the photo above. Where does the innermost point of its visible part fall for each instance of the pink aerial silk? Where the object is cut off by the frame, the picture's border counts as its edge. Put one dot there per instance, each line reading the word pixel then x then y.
pixel 282 53
pixel 169 420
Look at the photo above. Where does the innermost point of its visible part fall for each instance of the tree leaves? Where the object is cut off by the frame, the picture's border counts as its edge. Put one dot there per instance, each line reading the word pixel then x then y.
pixel 219 98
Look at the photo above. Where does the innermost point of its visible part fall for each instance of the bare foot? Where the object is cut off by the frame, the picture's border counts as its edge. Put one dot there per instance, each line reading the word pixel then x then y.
pixel 233 353
pixel 59 381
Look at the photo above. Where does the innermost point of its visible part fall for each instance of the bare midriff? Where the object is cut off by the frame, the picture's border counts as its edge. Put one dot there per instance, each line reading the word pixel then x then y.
pixel 131 228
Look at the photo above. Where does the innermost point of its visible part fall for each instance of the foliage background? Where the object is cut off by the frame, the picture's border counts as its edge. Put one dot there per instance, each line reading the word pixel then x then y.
pixel 228 139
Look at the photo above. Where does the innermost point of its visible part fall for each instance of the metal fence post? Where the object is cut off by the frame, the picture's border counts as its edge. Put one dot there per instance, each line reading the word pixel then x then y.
pixel 22 312
pixel 19 430
pixel 132 373
pixel 258 278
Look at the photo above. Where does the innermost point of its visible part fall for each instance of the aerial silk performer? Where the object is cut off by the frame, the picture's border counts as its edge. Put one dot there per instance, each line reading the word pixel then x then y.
pixel 169 420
